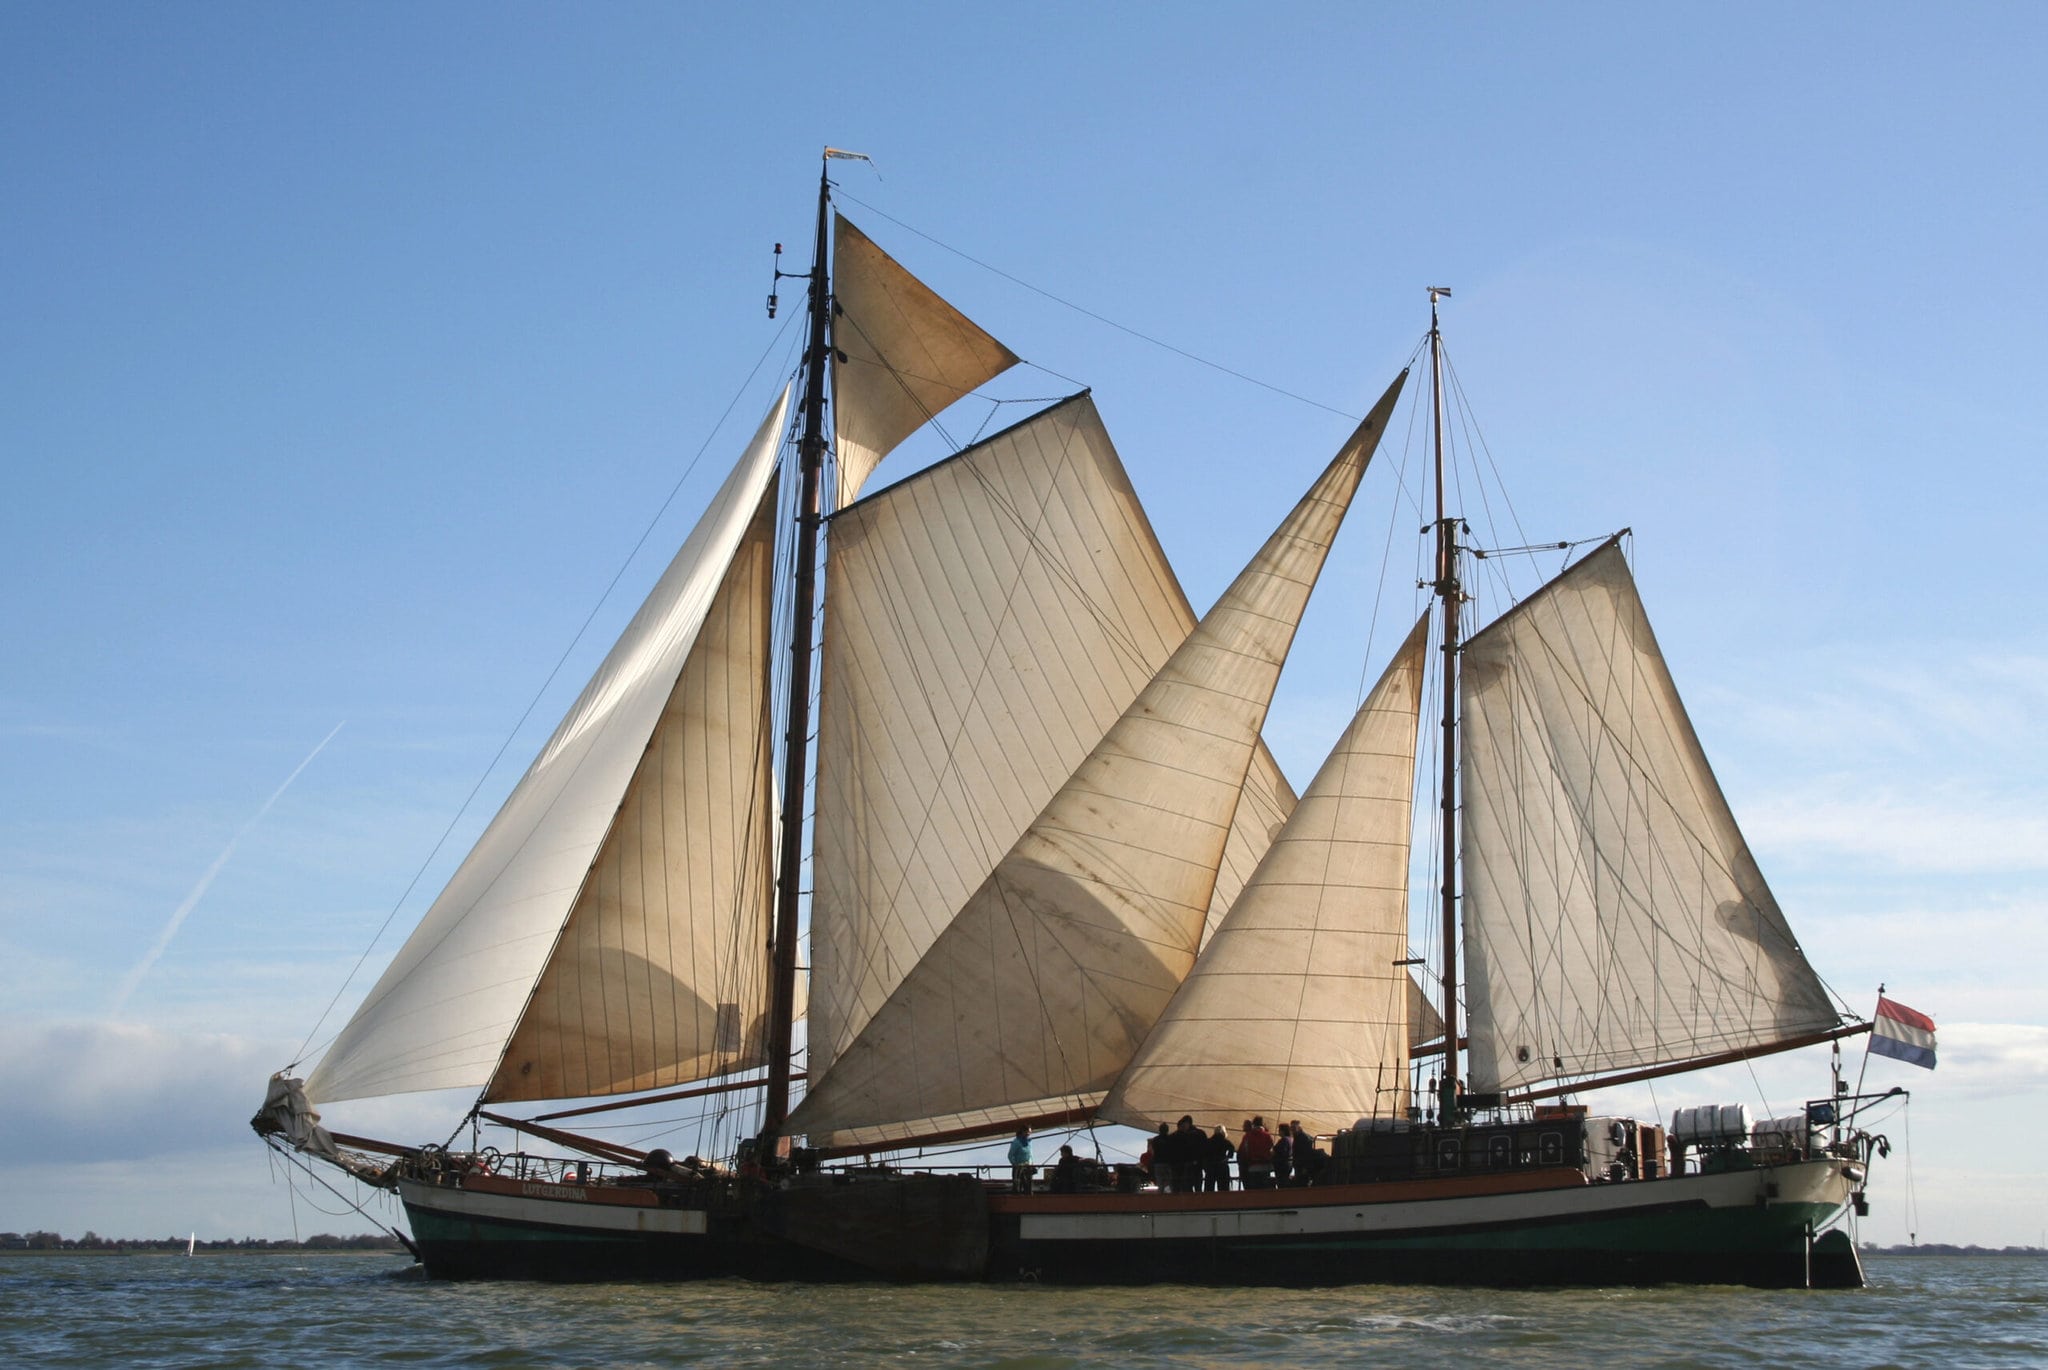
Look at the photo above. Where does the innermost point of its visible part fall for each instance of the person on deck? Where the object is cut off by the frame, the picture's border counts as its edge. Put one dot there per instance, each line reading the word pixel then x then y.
pixel 1310 1160
pixel 1066 1173
pixel 1021 1169
pixel 1255 1155
pixel 1216 1154
pixel 1188 1146
pixel 1283 1157
pixel 1154 1161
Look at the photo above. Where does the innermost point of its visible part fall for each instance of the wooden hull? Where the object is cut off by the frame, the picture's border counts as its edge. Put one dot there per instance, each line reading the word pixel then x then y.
pixel 1544 1227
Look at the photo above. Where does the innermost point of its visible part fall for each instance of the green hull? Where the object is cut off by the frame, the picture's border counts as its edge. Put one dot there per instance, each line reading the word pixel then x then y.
pixel 1765 1227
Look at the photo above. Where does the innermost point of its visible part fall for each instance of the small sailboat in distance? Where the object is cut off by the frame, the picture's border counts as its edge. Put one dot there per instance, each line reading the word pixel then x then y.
pixel 1049 876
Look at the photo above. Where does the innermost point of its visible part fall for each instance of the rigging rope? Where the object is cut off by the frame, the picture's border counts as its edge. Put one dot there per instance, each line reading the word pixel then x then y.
pixel 291 1190
pixel 1100 318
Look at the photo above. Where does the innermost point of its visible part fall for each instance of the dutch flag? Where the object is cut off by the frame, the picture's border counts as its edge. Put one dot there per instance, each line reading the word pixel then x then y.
pixel 1902 1033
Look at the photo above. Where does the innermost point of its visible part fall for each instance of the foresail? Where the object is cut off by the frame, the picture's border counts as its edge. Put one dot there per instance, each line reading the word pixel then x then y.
pixel 1614 917
pixel 901 354
pixel 443 1011
pixel 986 621
pixel 1041 988
pixel 660 975
pixel 1298 1007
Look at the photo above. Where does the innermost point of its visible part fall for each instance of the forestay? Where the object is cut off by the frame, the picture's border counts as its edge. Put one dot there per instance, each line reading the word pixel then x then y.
pixel 442 1013
pixel 1614 917
pixel 1039 991
pixel 1298 1006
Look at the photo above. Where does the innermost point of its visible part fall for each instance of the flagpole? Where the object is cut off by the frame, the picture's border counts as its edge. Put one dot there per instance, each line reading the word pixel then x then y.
pixel 1864 1069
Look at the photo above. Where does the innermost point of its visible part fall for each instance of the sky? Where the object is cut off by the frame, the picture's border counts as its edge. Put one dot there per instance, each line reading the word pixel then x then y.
pixel 350 354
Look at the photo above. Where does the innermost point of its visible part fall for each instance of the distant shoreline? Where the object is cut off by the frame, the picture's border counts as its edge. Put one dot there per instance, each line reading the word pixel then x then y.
pixel 42 1243
pixel 145 1249
pixel 1944 1249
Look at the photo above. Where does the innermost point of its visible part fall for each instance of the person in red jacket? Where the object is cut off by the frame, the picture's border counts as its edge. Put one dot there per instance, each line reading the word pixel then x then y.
pixel 1255 1156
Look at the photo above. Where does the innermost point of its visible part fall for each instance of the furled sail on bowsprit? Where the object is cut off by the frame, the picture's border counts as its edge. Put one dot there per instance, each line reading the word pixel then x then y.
pixel 666 907
pixel 901 354
pixel 1298 1006
pixel 986 621
pixel 1041 988
pixel 1614 917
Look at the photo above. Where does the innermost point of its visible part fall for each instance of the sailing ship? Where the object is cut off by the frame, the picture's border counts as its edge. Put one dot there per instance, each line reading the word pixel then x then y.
pixel 1058 881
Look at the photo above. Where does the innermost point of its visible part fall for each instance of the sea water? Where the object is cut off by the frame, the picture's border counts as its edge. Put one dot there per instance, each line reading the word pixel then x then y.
pixel 230 1310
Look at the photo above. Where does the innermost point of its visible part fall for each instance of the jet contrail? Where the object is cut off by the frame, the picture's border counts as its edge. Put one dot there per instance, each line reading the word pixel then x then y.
pixel 134 977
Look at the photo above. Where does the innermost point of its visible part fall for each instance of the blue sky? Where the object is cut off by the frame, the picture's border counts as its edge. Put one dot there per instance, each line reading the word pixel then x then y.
pixel 346 355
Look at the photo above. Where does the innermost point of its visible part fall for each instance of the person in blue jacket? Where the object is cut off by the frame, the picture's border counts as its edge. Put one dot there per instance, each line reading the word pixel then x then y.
pixel 1021 1169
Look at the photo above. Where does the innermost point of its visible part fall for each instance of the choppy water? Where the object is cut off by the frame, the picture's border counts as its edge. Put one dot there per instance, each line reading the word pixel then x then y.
pixel 342 1310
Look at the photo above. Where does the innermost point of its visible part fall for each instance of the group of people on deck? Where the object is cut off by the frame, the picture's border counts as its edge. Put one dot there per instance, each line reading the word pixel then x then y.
pixel 1183 1159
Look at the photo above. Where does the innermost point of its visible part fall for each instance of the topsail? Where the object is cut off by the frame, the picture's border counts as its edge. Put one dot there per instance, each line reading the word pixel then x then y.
pixel 901 355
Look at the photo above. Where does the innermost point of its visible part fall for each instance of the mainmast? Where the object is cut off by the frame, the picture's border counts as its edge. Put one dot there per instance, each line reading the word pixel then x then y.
pixel 1448 592
pixel 811 465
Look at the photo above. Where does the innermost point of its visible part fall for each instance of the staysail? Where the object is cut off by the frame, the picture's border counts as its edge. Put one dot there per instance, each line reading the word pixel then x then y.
pixel 1425 1022
pixel 901 354
pixel 659 976
pixel 986 621
pixel 1041 988
pixel 443 1012
pixel 1614 917
pixel 1298 1007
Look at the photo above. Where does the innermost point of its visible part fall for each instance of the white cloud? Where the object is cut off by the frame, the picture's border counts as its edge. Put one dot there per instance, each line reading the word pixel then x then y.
pixel 1959 709
pixel 220 1194
pixel 1950 828
pixel 91 1091
pixel 1907 757
pixel 1994 1059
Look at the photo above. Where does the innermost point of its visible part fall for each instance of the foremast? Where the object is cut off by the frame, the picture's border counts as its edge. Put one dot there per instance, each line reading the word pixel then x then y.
pixel 1447 590
pixel 796 751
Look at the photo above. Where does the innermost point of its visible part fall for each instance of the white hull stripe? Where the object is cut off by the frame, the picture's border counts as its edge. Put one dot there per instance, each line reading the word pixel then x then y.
pixel 551 1212
pixel 1811 1184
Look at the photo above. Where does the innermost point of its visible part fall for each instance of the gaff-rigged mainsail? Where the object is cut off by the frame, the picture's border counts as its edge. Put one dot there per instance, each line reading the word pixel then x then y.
pixel 1613 914
pixel 986 621
pixel 443 1012
pixel 1298 1007
pixel 1042 987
